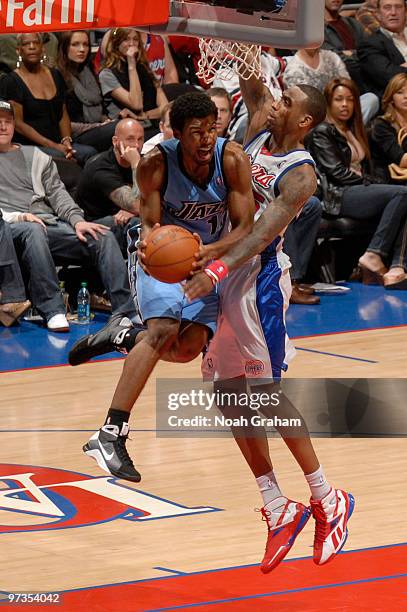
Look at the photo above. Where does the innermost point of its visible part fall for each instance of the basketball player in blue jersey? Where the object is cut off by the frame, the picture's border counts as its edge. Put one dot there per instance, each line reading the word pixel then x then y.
pixel 197 181
pixel 251 346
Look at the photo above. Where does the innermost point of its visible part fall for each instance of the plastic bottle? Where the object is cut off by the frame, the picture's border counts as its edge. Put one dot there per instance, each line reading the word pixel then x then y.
pixel 83 304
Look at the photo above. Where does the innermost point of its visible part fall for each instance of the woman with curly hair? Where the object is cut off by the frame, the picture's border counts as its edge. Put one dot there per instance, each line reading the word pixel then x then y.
pixel 128 82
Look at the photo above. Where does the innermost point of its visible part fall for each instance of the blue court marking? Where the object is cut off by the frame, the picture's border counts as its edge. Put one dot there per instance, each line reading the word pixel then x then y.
pixel 29 345
pixel 298 348
pixel 171 571
pixel 221 569
pixel 274 593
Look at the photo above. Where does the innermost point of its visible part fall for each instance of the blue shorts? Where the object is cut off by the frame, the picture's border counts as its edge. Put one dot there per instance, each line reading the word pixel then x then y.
pixel 157 300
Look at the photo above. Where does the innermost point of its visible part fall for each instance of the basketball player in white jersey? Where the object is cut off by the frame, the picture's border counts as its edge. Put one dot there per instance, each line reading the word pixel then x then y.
pixel 251 345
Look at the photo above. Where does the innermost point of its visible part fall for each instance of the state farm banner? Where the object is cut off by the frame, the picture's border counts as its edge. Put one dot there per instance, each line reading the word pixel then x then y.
pixel 52 15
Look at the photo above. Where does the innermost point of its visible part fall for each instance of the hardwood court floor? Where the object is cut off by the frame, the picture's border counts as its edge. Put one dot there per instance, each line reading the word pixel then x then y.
pixel 48 414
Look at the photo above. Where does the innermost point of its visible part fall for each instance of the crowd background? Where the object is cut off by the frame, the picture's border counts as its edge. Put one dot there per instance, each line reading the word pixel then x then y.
pixel 85 113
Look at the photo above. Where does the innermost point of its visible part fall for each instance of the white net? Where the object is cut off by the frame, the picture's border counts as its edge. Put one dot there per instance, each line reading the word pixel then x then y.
pixel 228 58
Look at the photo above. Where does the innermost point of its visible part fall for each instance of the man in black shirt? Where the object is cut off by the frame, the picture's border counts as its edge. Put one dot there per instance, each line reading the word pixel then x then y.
pixel 107 189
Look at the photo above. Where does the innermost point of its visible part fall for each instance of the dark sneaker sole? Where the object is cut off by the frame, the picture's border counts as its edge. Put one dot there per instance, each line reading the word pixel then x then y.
pixel 81 352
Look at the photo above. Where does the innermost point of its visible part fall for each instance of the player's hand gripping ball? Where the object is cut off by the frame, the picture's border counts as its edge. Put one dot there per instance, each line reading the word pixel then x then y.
pixel 170 252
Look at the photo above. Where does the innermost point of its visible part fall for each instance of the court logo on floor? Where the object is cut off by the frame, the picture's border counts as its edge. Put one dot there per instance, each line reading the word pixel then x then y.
pixel 35 498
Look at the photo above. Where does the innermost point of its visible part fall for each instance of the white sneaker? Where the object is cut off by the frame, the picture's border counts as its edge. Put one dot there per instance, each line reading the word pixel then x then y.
pixel 58 323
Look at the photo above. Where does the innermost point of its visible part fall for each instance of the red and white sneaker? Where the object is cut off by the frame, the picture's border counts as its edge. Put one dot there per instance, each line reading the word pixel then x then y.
pixel 285 519
pixel 331 516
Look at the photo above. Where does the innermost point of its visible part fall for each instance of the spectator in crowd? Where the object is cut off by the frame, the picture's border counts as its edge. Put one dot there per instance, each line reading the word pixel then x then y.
pixel 340 149
pixel 165 132
pixel 13 301
pixel 83 97
pixel 128 82
pixel 223 103
pixel 31 176
pixel 299 241
pixel 383 54
pixel 367 16
pixel 389 133
pixel 318 67
pixel 9 54
pixel 38 97
pixel 107 189
pixel 344 35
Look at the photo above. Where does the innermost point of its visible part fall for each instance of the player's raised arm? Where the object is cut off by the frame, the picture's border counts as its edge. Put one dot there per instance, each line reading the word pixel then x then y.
pixel 257 98
pixel 237 170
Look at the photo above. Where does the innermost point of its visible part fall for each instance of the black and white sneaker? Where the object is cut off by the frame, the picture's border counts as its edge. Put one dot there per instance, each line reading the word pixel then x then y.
pixel 106 340
pixel 108 448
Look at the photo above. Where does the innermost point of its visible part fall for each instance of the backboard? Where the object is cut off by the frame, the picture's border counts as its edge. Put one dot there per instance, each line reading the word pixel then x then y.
pixel 286 24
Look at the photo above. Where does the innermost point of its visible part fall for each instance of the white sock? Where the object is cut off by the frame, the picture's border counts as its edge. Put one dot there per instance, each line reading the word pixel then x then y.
pixel 269 488
pixel 318 484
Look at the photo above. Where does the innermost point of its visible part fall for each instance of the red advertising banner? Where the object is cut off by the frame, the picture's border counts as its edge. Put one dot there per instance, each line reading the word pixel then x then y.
pixel 52 15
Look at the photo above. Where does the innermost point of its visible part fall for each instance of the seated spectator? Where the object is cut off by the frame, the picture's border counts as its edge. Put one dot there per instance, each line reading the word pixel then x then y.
pixel 186 55
pixel 31 176
pixel 9 54
pixel 318 67
pixel 107 190
pixel 389 133
pixel 165 131
pixel 340 149
pixel 223 103
pixel 344 35
pixel 128 82
pixel 158 55
pixel 367 16
pixel 13 301
pixel 38 97
pixel 299 241
pixel 83 97
pixel 383 54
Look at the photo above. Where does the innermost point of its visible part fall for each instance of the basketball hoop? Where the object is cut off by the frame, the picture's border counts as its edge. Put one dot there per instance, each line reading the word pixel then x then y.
pixel 228 59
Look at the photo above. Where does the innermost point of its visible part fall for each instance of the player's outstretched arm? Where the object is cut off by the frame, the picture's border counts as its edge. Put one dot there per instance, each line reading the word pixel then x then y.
pixel 257 98
pixel 296 187
pixel 237 170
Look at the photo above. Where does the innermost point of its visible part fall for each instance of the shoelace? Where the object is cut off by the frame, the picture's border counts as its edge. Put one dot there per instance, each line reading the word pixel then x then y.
pixel 321 524
pixel 122 451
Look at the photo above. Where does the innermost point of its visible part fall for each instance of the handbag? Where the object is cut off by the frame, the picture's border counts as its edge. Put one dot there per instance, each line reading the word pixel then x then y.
pixel 330 195
pixel 397 173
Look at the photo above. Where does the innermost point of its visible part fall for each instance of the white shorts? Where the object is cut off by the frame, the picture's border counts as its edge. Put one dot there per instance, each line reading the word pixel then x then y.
pixel 251 338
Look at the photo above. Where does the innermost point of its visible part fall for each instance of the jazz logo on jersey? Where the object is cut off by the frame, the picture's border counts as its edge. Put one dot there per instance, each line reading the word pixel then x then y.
pixel 36 498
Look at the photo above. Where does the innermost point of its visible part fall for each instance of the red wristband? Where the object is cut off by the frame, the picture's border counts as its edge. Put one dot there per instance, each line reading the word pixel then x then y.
pixel 217 271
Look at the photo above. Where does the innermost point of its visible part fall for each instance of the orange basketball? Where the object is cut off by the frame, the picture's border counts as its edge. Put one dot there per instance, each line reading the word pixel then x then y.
pixel 170 253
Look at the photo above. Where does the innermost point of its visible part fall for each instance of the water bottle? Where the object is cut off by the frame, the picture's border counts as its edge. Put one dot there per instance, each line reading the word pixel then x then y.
pixel 83 304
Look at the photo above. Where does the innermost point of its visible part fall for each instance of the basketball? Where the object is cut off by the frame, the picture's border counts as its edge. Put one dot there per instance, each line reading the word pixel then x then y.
pixel 170 253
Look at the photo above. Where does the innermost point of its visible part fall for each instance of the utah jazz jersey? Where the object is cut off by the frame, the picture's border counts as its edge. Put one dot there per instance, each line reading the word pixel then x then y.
pixel 267 171
pixel 196 207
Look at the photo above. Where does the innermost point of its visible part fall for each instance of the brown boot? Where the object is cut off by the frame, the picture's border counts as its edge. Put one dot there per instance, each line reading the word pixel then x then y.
pixel 10 313
pixel 301 297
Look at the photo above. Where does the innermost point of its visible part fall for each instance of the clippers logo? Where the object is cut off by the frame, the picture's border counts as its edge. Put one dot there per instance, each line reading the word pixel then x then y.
pixel 254 367
pixel 262 177
pixel 36 498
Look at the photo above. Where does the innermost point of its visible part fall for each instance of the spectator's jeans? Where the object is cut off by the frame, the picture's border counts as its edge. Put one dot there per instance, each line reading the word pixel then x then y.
pixel 119 231
pixel 60 242
pixel 300 237
pixel 11 282
pixel 390 201
pixel 82 152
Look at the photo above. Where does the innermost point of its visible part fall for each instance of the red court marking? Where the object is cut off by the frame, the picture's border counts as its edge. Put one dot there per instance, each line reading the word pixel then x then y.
pixel 379 578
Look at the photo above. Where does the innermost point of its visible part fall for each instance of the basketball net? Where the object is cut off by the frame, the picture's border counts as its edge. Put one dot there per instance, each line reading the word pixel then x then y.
pixel 226 59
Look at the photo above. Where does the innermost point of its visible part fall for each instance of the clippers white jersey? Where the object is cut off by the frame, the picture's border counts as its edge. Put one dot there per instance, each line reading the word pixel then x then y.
pixel 251 338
